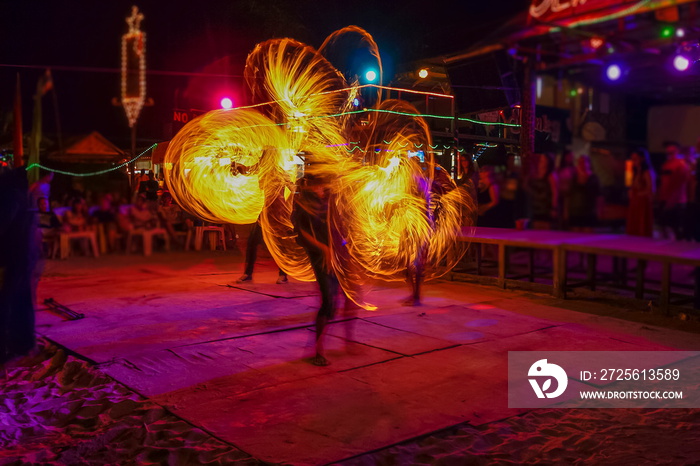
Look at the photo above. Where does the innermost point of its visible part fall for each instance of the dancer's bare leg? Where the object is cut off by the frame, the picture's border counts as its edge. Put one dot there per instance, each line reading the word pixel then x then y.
pixel 319 359
pixel 413 279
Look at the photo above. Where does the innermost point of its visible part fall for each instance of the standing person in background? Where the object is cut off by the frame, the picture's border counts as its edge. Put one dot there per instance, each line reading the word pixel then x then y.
pixel 566 172
pixel 255 238
pixel 467 175
pixel 691 222
pixel 673 192
pixel 640 217
pixel 140 177
pixel 510 192
pixel 489 201
pixel 585 200
pixel 150 189
pixel 467 179
pixel 543 190
pixel 41 188
pixel 696 193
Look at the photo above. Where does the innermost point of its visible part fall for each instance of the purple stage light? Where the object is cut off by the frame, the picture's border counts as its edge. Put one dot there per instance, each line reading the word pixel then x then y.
pixel 681 63
pixel 613 72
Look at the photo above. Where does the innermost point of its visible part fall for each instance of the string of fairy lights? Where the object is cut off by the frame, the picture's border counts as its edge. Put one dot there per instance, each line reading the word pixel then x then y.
pixel 99 172
pixel 351 147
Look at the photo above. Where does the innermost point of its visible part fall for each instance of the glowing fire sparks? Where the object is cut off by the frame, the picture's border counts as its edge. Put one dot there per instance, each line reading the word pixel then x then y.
pixel 387 209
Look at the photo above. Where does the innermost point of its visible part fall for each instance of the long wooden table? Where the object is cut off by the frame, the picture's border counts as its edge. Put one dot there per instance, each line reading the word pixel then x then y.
pixel 620 246
pixel 645 250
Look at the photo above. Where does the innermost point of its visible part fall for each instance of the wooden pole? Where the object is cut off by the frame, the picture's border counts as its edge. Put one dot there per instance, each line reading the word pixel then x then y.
pixel 133 154
pixel 527 115
pixel 18 141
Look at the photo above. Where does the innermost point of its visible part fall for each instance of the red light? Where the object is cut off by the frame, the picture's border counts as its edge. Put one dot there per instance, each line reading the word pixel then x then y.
pixel 597 42
pixel 226 103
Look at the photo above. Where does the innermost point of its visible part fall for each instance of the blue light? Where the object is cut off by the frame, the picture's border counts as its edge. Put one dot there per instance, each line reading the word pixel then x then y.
pixel 356 102
pixel 371 75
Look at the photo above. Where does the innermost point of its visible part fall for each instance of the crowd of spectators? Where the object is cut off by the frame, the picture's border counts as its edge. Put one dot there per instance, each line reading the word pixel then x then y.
pixel 545 192
pixel 111 215
pixel 563 192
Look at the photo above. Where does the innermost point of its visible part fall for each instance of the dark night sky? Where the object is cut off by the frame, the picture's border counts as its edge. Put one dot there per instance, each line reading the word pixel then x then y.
pixel 189 36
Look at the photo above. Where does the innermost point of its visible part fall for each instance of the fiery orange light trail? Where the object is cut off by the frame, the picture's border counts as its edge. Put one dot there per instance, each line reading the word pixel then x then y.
pixel 241 165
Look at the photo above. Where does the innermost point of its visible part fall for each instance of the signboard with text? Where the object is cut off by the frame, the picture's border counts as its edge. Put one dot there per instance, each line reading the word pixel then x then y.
pixel 181 117
pixel 567 12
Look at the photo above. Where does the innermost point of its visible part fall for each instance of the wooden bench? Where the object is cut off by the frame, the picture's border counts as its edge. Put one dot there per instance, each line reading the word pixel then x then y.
pixel 622 247
pixel 504 238
pixel 644 250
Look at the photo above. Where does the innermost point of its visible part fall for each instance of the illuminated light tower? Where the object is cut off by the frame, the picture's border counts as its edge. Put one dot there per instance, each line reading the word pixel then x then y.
pixel 133 82
pixel 226 103
pixel 423 73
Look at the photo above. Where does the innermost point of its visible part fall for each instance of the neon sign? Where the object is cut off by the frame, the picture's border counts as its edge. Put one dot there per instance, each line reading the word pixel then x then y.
pixel 539 7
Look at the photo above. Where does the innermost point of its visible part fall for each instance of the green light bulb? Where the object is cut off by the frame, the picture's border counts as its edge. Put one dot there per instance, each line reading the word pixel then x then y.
pixel 667 31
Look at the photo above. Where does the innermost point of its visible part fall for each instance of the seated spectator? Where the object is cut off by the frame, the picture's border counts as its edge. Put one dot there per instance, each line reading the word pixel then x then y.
pixel 105 217
pixel 105 212
pixel 48 220
pixel 171 216
pixel 76 218
pixel 49 226
pixel 141 216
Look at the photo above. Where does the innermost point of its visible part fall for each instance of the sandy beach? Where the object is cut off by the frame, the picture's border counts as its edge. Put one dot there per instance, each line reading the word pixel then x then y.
pixel 172 367
pixel 59 410
pixel 566 436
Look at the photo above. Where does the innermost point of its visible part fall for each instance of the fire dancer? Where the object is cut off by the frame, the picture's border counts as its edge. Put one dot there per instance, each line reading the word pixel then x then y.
pixel 310 219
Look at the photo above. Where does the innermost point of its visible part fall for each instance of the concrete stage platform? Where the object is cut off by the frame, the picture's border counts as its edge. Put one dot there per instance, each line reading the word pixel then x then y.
pixel 233 359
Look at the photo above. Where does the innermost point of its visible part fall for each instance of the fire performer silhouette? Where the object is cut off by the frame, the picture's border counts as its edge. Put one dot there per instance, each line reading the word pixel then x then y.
pixel 310 219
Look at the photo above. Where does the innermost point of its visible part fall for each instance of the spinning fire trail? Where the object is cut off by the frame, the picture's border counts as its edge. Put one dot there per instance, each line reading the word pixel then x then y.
pixel 387 210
